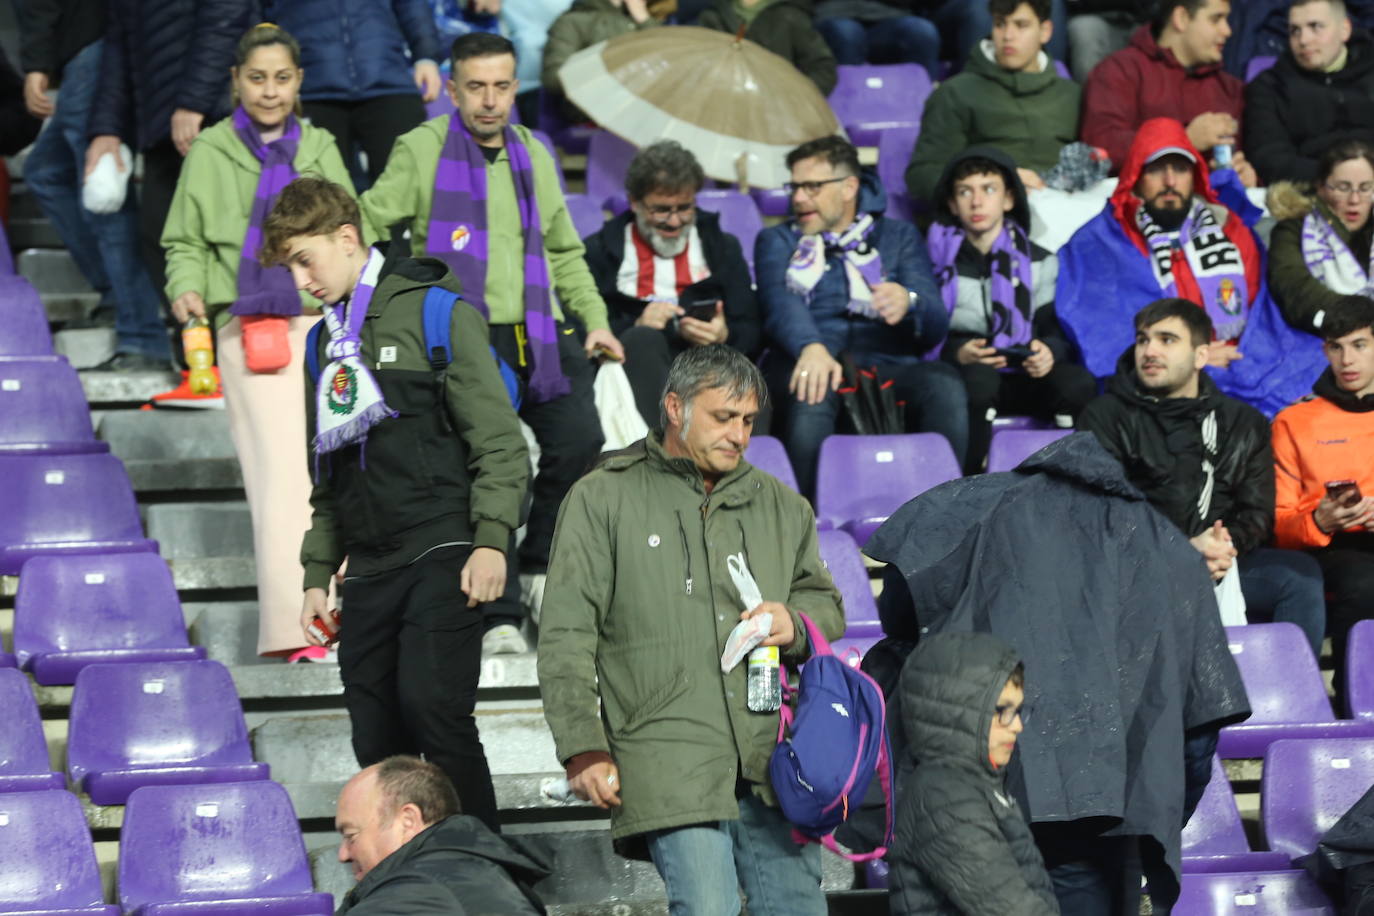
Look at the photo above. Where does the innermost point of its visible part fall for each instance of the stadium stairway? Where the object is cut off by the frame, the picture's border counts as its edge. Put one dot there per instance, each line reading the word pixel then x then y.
pixel 189 488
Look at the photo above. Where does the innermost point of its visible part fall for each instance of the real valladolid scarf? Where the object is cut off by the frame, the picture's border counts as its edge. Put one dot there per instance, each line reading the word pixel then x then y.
pixel 458 237
pixel 266 290
pixel 1009 318
pixel 348 402
pixel 1330 259
pixel 863 268
pixel 1213 260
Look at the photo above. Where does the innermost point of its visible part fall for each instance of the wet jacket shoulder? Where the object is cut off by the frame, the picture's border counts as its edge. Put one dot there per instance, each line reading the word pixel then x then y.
pixel 1293 115
pixel 581 26
pixel 1159 443
pixel 784 28
pixel 358 49
pixel 451 467
pixel 962 844
pixel 163 56
pixel 638 609
pixel 456 867
pixel 53 31
pixel 1302 297
pixel 724 258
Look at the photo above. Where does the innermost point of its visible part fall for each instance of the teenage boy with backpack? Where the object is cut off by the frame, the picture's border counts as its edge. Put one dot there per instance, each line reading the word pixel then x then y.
pixel 420 468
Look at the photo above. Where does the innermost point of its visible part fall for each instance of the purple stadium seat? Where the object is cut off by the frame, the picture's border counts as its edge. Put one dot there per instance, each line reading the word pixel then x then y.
pixel 1258 65
pixel 586 214
pixel 23 749
pixel 1287 694
pixel 1359 670
pixel 1062 69
pixel 571 138
pixel 1274 893
pixel 1307 785
pixel 220 850
pixel 25 319
pixel 1010 447
pixel 772 201
pixel 66 504
pixel 739 216
pixel 870 98
pixel 861 480
pixel 1214 840
pixel 44 409
pixel 841 557
pixel 768 454
pixel 47 862
pixel 7 660
pixel 894 153
pixel 608 158
pixel 1019 421
pixel 71 612
pixel 156 723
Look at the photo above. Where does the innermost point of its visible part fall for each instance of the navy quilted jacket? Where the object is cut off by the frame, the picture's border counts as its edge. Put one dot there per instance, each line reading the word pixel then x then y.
pixel 161 55
pixel 356 49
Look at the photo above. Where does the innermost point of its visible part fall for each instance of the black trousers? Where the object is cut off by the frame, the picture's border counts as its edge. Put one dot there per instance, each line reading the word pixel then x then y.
pixel 372 125
pixel 1348 574
pixel 649 353
pixel 1067 389
pixel 410 664
pixel 161 169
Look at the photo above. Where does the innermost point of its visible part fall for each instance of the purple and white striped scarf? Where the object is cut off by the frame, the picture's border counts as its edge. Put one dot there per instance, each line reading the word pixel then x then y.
pixel 458 237
pixel 1010 305
pixel 1330 259
pixel 266 290
pixel 863 267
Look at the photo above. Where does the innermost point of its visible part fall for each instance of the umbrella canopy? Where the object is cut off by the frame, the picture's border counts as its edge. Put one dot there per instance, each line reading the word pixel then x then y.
pixel 739 108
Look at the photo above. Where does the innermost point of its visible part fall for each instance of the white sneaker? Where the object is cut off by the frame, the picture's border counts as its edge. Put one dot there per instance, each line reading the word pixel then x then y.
pixel 532 593
pixel 504 640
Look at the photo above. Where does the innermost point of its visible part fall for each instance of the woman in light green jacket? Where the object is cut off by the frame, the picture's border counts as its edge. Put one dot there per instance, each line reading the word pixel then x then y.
pixel 228 182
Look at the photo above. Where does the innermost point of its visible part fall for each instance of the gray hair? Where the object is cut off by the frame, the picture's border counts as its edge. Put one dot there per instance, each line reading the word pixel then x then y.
pixel 663 166
pixel 717 366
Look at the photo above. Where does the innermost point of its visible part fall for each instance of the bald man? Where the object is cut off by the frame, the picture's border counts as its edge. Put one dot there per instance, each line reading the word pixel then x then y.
pixel 415 854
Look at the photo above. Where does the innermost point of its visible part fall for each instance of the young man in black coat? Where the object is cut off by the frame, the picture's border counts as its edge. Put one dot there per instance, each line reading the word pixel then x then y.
pixel 1204 461
pixel 671 277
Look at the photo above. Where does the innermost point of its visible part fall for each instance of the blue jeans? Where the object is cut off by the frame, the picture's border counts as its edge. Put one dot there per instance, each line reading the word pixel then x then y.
pixel 903 40
pixel 935 403
pixel 104 246
pixel 1286 586
pixel 705 865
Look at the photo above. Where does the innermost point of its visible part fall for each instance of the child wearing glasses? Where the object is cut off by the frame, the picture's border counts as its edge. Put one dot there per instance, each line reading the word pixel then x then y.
pixel 962 844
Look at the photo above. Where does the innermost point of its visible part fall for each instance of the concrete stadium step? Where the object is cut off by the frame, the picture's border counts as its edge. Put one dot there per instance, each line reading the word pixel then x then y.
pixel 173 450
pixel 86 347
pixel 200 529
pixel 65 293
pixel 227 629
pixel 28 227
pixel 119 389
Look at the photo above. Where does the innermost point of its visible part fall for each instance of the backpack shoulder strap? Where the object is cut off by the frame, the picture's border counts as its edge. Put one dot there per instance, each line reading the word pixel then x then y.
pixel 438 326
pixel 312 351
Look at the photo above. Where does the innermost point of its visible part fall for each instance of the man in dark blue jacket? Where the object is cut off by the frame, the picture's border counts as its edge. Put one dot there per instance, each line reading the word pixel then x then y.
pixel 840 278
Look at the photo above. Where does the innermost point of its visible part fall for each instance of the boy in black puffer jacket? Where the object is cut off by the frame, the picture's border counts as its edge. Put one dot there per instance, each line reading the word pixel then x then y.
pixel 962 845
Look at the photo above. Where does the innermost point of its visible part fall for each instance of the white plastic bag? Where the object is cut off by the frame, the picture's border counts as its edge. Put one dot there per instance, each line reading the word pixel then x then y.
pixel 1230 599
pixel 104 189
pixel 621 423
pixel 747 633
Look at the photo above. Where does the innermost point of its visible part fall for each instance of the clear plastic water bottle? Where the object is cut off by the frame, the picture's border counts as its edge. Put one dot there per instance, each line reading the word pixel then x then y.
pixel 765 683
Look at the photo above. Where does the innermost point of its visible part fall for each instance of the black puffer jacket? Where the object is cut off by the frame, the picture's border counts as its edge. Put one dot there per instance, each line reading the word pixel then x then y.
pixel 53 31
pixel 962 845
pixel 161 56
pixel 1159 444
pixel 456 867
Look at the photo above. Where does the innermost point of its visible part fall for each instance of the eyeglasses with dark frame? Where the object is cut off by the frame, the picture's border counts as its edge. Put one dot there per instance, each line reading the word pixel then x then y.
pixel 1007 714
pixel 1346 189
pixel 811 188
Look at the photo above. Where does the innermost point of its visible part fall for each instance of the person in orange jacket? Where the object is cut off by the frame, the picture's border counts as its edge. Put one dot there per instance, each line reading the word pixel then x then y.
pixel 1324 472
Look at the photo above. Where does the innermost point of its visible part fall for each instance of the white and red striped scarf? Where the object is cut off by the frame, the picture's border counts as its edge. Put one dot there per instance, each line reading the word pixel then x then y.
pixel 646 276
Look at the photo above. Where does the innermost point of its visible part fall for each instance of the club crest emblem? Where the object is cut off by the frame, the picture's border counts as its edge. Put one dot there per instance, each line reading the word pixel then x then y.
pixel 1227 297
pixel 460 238
pixel 343 391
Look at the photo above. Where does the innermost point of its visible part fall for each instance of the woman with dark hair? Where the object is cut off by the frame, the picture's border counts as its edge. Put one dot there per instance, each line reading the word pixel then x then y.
pixel 1320 250
pixel 232 175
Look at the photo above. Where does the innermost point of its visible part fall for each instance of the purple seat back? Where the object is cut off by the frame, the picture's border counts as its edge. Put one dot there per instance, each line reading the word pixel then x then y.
pixel 1062 69
pixel 739 216
pixel 772 201
pixel 23 749
pixel 861 480
pixel 768 454
pixel 869 98
pixel 1019 421
pixel 74 611
pixel 572 138
pixel 1215 827
pixel 43 408
pixel 60 504
pixel 1010 447
pixel 1359 670
pixel 156 716
pixel 608 159
pixel 25 319
pixel 1307 785
pixel 7 660
pixel 586 214
pixel 1258 65
pixel 894 154
pixel 841 557
pixel 47 862
pixel 1276 893
pixel 237 841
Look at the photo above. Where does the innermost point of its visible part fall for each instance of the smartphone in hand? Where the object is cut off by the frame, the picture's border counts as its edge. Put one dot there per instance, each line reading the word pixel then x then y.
pixel 1344 493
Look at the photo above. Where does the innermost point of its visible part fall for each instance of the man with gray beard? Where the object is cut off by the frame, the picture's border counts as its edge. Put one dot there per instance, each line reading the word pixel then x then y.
pixel 671 277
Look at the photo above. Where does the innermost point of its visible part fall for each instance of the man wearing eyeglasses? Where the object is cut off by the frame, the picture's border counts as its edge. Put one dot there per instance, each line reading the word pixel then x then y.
pixel 672 278
pixel 1320 90
pixel 841 278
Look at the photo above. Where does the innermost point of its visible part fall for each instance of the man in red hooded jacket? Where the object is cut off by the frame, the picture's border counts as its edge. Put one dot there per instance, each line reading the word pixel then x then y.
pixel 1165 234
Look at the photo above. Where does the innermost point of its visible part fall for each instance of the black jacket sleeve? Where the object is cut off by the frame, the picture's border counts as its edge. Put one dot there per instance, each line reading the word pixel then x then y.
pixel 17 126
pixel 604 262
pixel 112 107
pixel 1269 145
pixel 742 313
pixel 1047 329
pixel 38 22
pixel 1299 295
pixel 219 26
pixel 1100 419
pixel 1250 518
pixel 418 25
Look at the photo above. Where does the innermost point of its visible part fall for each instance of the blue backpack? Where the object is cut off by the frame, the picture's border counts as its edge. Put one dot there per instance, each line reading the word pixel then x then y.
pixel 437 320
pixel 830 749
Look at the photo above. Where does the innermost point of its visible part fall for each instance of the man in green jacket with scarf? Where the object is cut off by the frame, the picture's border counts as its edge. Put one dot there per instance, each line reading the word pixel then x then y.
pixel 639 606
pixel 483 196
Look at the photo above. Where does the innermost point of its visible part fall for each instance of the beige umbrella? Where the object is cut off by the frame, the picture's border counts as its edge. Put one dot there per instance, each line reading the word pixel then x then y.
pixel 736 106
